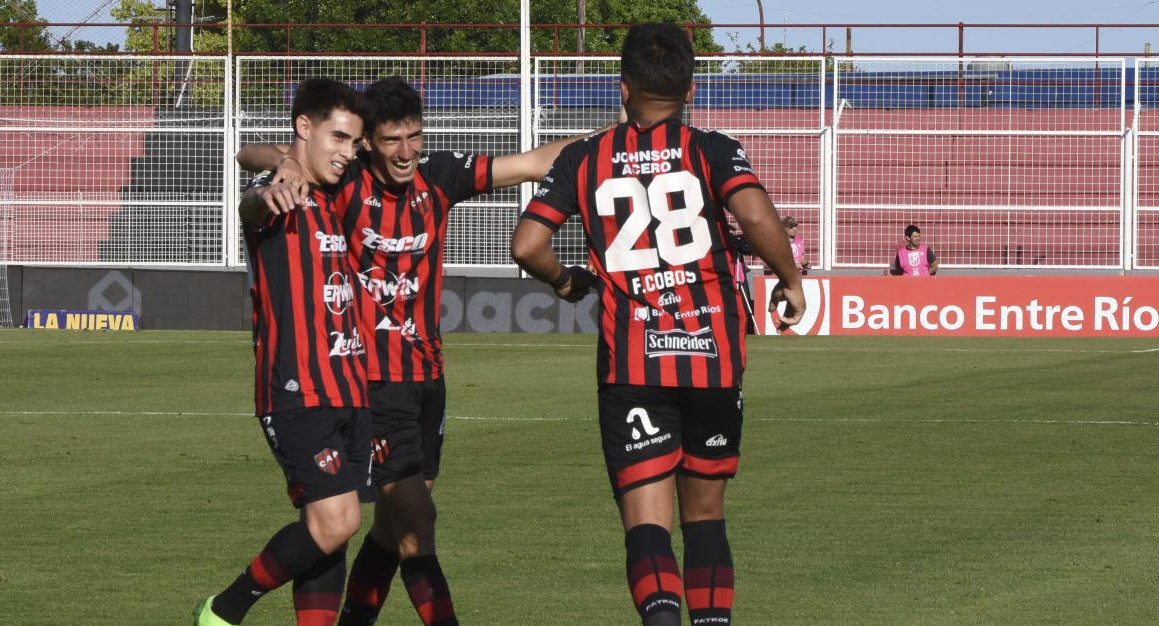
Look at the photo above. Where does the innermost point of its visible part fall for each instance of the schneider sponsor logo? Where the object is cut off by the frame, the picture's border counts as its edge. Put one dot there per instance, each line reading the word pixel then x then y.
pixel 679 343
pixel 375 241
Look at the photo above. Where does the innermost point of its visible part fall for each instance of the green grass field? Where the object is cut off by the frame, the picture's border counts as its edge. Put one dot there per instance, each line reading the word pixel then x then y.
pixel 883 481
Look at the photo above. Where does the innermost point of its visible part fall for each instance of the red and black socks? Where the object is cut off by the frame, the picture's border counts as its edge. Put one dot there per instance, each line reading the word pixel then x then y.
pixel 708 574
pixel 653 576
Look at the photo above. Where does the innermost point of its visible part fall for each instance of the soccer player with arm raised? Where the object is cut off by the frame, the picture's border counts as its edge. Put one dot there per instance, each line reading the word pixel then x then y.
pixel 651 194
pixel 310 370
pixel 396 225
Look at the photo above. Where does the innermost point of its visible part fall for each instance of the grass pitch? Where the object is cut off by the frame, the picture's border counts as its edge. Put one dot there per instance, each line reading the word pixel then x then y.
pixel 883 481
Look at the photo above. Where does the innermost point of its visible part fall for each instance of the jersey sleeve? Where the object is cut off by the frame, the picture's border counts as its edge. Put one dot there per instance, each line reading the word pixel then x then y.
pixel 729 167
pixel 460 176
pixel 930 256
pixel 261 180
pixel 556 198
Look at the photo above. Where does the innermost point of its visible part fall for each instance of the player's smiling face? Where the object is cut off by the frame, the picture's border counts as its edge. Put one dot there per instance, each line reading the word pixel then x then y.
pixel 331 144
pixel 914 240
pixel 396 147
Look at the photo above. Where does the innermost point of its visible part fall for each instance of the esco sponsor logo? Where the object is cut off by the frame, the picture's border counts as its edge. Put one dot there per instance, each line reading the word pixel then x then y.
pixel 679 342
pixel 330 243
pixel 385 286
pixel 413 244
pixel 337 293
pixel 346 346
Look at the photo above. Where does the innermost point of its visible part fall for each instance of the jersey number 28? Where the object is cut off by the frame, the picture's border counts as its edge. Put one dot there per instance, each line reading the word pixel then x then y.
pixel 646 204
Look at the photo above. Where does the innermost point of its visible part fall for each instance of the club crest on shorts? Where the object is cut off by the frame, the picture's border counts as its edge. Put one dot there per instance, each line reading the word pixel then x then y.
pixel 328 461
pixel 380 448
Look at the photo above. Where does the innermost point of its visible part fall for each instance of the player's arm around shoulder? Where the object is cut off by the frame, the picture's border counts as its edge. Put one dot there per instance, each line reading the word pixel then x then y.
pixel 531 166
pixel 264 201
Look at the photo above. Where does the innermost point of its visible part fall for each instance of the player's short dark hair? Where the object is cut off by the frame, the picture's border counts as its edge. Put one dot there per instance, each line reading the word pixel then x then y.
pixel 657 59
pixel 789 221
pixel 911 229
pixel 393 99
pixel 316 98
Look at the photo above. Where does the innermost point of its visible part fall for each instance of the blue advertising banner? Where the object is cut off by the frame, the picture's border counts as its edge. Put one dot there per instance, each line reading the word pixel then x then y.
pixel 82 320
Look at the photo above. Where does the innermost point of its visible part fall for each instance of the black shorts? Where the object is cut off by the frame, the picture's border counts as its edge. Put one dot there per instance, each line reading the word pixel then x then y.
pixel 649 433
pixel 323 451
pixel 409 418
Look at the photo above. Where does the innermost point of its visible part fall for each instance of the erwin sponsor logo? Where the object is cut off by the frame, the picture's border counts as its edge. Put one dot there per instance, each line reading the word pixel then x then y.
pixel 680 343
pixel 385 286
pixel 332 244
pixel 375 241
pixel 337 293
pixel 328 461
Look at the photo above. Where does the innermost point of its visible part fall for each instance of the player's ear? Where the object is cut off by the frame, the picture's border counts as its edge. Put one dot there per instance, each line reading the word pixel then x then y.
pixel 623 92
pixel 691 93
pixel 302 126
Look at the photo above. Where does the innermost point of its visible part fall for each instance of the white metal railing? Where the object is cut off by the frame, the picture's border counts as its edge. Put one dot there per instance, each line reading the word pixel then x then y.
pixel 1004 162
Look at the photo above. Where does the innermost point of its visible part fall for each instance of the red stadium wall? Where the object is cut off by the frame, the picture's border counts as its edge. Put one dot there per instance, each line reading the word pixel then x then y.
pixel 71 169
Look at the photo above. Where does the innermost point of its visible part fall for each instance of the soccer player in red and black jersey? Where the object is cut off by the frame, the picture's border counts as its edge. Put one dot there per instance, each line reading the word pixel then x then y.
pixel 395 218
pixel 651 194
pixel 310 377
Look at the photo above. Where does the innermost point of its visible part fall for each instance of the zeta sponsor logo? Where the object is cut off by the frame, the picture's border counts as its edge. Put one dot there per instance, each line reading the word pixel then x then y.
pixel 407 329
pixel 716 441
pixel 678 342
pixel 341 345
pixel 378 243
pixel 385 286
pixel 328 461
pixel 330 244
pixel 337 293
pixel 372 201
pixel 292 386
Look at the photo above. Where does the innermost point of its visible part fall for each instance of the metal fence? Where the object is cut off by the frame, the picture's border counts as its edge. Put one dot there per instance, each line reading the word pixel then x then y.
pixel 1004 162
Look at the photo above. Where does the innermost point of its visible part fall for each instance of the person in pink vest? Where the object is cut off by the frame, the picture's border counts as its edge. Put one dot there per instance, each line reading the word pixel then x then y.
pixel 797 243
pixel 914 258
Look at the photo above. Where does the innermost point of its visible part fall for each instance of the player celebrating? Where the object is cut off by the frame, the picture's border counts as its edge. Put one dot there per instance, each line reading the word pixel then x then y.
pixel 310 376
pixel 651 194
pixel 396 222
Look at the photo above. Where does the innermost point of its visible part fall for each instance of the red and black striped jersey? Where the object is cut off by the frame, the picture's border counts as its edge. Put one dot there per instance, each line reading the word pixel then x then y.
pixel 652 201
pixel 308 347
pixel 397 236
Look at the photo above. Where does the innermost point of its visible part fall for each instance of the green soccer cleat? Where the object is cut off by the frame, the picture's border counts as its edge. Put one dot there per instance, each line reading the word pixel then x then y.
pixel 203 614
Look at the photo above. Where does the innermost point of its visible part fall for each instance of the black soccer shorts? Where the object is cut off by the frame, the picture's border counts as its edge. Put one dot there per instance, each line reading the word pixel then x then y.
pixel 649 433
pixel 408 422
pixel 323 451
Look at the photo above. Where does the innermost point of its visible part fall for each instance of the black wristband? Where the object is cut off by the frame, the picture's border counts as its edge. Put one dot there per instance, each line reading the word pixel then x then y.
pixel 564 276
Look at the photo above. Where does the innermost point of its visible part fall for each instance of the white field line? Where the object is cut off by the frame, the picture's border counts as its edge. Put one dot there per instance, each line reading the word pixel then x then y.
pixel 835 420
